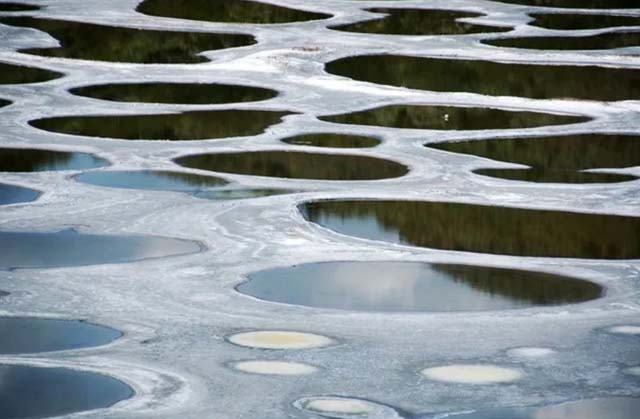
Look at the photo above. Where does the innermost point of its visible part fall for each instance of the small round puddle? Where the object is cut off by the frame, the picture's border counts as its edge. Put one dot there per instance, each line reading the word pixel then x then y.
pixel 179 93
pixel 296 165
pixel 37 392
pixel 419 22
pixel 332 141
pixel 604 41
pixel 491 78
pixel 19 74
pixel 531 352
pixel 279 339
pixel 152 180
pixel 626 329
pixel 68 248
pixel 450 118
pixel 274 368
pixel 482 228
pixel 472 374
pixel 11 194
pixel 233 11
pixel 88 41
pixel 409 286
pixel 32 335
pixel 32 160
pixel 340 407
pixel 559 159
pixel 194 125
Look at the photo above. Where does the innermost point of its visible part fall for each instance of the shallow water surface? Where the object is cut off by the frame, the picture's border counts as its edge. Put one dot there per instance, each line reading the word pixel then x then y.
pixel 17 7
pixel 419 22
pixel 572 21
pixel 555 159
pixel 578 4
pixel 31 335
pixel 193 125
pixel 233 11
pixel 69 248
pixel 89 41
pixel 231 194
pixel 450 118
pixel 19 74
pixel 332 140
pixel 188 93
pixel 11 194
pixel 482 229
pixel 492 78
pixel 151 180
pixel 34 160
pixel 603 41
pixel 296 165
pixel 34 392
pixel 408 286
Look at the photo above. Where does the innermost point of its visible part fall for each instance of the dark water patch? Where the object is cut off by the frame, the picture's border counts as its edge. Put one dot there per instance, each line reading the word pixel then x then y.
pixel 232 11
pixel 609 408
pixel 450 118
pixel 232 194
pixel 491 78
pixel 32 335
pixel 4 294
pixel 578 4
pixel 603 41
pixel 38 392
pixel 285 164
pixel 419 22
pixel 481 228
pixel 88 41
pixel 11 194
pixel 407 286
pixel 20 250
pixel 332 140
pixel 151 180
pixel 194 125
pixel 19 74
pixel 572 21
pixel 18 7
pixel 33 160
pixel 555 159
pixel 4 103
pixel 188 93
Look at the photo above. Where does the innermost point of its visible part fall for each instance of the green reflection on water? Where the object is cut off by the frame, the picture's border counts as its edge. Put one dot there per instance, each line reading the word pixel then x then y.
pixel 236 11
pixel 295 165
pixel 578 4
pixel 332 141
pixel 195 125
pixel 419 22
pixel 555 159
pixel 483 229
pixel 18 74
pixel 490 78
pixel 450 118
pixel 603 41
pixel 108 43
pixel 191 93
pixel 568 21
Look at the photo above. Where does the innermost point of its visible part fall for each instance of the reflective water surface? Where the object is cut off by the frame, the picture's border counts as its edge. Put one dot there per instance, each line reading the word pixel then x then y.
pixel 578 4
pixel 33 160
pixel 11 194
pixel 190 93
pixel 4 103
pixel 406 286
pixel 89 41
pixel 332 140
pixel 231 194
pixel 603 41
pixel 569 21
pixel 236 11
pixel 152 180
pixel 482 229
pixel 194 125
pixel 17 7
pixel 69 248
pixel 34 392
pixel 606 408
pixel 19 74
pixel 31 335
pixel 555 159
pixel 419 22
pixel 450 118
pixel 491 78
pixel 286 164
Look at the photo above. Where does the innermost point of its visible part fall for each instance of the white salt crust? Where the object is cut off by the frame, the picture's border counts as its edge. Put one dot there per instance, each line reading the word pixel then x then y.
pixel 626 330
pixel 339 405
pixel 275 368
pixel 276 339
pixel 531 352
pixel 472 374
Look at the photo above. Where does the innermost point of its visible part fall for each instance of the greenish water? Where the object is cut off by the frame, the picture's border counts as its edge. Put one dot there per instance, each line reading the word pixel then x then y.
pixel 19 74
pixel 332 141
pixel 595 42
